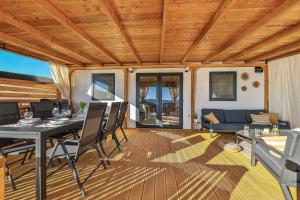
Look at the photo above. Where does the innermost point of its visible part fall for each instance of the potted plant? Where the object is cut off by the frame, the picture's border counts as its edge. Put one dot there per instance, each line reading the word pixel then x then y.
pixel 82 106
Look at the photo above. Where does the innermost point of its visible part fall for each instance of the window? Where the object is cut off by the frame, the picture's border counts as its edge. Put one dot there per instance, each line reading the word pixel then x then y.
pixel 222 86
pixel 103 86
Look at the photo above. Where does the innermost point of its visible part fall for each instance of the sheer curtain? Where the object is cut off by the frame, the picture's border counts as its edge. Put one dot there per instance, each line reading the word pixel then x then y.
pixel 174 93
pixel 284 89
pixel 60 75
pixel 143 92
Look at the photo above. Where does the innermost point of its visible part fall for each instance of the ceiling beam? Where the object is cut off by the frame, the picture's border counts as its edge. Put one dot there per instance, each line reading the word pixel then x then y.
pixel 113 15
pixel 163 30
pixel 276 52
pixel 269 41
pixel 293 53
pixel 12 20
pixel 211 23
pixel 287 4
pixel 161 66
pixel 38 49
pixel 67 22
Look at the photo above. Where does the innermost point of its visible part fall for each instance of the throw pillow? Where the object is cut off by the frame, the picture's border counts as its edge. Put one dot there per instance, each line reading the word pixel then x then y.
pixel 274 117
pixel 212 118
pixel 261 119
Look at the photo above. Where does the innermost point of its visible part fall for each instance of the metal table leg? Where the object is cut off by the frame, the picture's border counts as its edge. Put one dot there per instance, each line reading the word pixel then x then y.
pixel 40 146
pixel 236 139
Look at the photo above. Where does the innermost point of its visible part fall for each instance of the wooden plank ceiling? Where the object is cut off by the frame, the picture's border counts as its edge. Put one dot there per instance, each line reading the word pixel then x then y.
pixel 137 32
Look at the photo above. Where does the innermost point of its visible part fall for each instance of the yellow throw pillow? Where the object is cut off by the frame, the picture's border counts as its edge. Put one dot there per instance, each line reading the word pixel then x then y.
pixel 212 118
pixel 274 117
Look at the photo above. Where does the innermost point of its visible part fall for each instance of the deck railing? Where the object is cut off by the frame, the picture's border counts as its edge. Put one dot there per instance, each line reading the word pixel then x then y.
pixel 26 91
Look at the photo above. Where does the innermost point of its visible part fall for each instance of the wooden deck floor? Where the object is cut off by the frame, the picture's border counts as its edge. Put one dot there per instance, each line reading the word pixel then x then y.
pixel 159 164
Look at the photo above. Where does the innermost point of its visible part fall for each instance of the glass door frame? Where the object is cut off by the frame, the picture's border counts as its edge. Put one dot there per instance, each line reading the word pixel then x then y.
pixel 159 105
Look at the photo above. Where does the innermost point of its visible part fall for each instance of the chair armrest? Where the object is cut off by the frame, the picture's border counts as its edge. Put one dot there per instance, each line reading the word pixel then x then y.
pixel 284 123
pixel 257 141
pixel 70 140
pixel 291 165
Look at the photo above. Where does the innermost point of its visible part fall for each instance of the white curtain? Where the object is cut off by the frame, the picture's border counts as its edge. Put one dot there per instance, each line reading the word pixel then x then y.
pixel 60 75
pixel 284 89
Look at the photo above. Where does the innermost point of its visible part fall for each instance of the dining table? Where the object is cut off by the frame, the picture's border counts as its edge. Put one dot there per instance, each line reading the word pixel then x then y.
pixel 40 132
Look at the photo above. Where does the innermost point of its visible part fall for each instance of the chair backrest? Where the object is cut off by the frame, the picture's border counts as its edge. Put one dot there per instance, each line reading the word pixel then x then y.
pixel 93 120
pixel 122 113
pixel 112 118
pixel 292 146
pixel 63 104
pixel 290 175
pixel 9 114
pixel 42 109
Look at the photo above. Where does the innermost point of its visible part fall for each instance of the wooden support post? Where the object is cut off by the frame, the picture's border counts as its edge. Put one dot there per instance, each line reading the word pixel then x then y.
pixel 58 94
pixel 70 83
pixel 266 88
pixel 2 176
pixel 125 70
pixel 193 94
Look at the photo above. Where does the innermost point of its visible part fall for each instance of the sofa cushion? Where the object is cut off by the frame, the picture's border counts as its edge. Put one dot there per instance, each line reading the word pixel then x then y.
pixel 249 112
pixel 229 126
pixel 219 113
pixel 260 126
pixel 235 116
pixel 206 125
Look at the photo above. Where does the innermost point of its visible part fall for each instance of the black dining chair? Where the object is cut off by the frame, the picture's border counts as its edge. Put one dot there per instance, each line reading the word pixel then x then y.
pixel 9 114
pixel 121 117
pixel 63 104
pixel 42 109
pixel 110 128
pixel 72 149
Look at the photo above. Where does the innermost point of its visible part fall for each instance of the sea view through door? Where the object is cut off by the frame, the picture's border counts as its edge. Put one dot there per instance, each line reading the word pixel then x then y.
pixel 159 100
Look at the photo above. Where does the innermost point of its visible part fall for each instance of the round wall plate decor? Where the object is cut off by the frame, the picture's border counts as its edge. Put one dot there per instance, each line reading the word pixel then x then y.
pixel 245 76
pixel 256 84
pixel 244 88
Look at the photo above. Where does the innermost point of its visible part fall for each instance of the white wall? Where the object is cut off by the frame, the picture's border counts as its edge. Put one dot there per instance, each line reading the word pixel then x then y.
pixel 186 94
pixel 81 90
pixel 253 98
pixel 81 84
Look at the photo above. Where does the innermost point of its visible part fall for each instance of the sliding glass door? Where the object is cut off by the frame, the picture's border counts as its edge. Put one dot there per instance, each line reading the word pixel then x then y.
pixel 159 100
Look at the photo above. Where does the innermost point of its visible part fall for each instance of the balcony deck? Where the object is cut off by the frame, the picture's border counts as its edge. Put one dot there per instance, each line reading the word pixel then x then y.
pixel 159 164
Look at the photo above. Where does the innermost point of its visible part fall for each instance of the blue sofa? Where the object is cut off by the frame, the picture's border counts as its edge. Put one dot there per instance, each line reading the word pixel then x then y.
pixel 234 120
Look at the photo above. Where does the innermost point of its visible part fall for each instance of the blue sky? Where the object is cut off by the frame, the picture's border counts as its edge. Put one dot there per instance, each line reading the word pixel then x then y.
pixel 15 63
pixel 152 93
